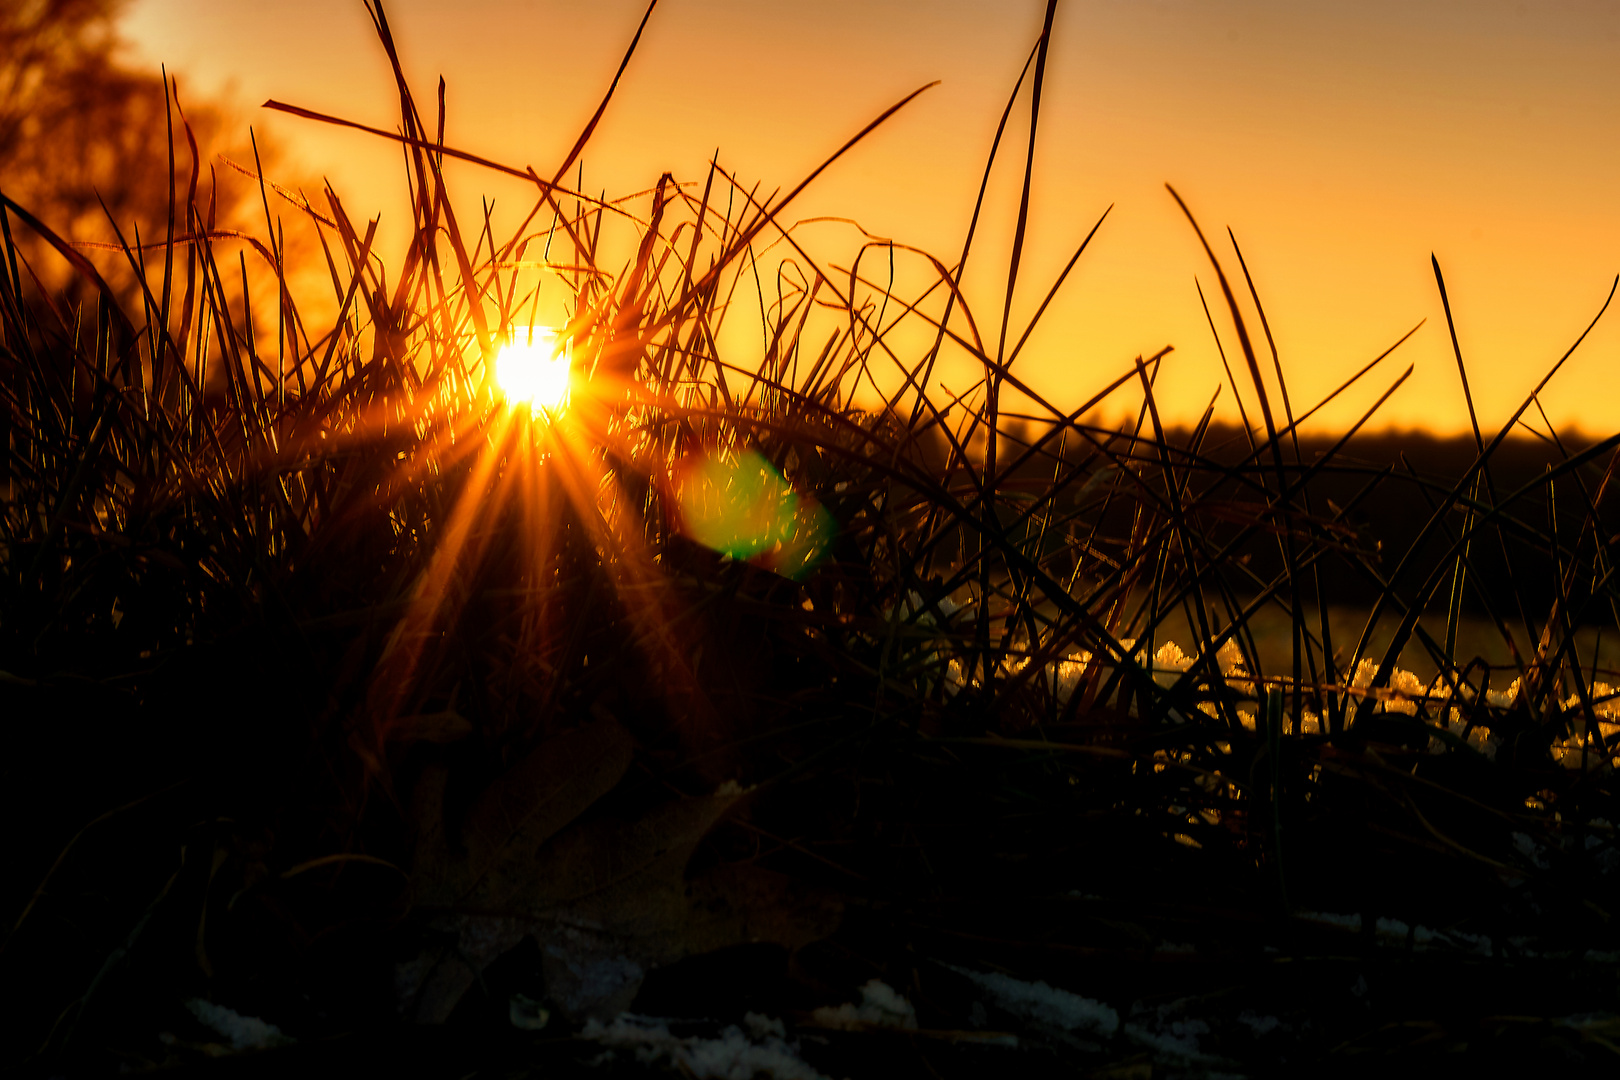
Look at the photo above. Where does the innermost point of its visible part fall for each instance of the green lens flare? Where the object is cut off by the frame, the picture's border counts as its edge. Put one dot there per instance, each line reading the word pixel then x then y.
pixel 744 508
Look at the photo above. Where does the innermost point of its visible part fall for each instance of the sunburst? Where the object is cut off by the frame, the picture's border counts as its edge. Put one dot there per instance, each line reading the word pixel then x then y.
pixel 535 369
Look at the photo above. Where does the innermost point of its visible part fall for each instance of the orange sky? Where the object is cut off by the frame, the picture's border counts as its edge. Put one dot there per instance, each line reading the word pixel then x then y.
pixel 1342 142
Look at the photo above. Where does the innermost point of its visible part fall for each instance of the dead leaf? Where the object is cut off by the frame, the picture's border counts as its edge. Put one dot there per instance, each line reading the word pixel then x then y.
pixel 735 904
pixel 605 899
pixel 559 780
pixel 607 871
pixel 440 727
pixel 428 987
pixel 611 900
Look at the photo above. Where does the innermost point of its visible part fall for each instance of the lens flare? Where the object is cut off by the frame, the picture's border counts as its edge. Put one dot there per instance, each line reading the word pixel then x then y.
pixel 742 507
pixel 533 368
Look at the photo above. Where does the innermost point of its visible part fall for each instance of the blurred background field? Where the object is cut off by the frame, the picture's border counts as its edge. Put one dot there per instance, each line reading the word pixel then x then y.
pixel 1389 519
pixel 1476 637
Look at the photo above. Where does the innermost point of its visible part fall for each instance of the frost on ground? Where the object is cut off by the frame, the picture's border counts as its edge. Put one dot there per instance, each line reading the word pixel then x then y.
pixel 880 1006
pixel 241 1032
pixel 1394 930
pixel 1173 1038
pixel 762 1051
pixel 1045 1004
pixel 1173 1041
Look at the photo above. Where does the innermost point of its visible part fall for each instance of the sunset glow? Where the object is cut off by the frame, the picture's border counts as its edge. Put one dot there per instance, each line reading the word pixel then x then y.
pixel 1343 145
pixel 534 367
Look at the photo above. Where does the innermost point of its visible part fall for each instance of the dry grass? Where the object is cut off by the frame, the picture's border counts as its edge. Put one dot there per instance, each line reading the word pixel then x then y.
pixel 285 606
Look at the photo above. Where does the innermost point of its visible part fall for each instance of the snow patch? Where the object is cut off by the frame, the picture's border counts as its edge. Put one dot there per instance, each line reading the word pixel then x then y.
pixel 1175 1041
pixel 1260 1025
pixel 733 1055
pixel 881 1006
pixel 1394 929
pixel 242 1032
pixel 1045 1004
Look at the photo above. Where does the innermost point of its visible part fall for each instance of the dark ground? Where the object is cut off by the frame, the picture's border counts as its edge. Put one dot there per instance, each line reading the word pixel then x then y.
pixel 1496 952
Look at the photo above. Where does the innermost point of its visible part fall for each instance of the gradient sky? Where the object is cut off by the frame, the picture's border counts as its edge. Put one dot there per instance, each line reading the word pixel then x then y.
pixel 1343 143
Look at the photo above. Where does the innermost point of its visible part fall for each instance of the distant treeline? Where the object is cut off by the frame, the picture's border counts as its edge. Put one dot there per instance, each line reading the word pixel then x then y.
pixel 1387 486
pixel 1373 497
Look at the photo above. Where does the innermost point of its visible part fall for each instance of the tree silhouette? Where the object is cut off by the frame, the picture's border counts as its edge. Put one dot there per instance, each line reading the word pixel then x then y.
pixel 85 140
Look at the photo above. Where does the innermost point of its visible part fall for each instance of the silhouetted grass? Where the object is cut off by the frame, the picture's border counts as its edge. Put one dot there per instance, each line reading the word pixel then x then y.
pixel 304 630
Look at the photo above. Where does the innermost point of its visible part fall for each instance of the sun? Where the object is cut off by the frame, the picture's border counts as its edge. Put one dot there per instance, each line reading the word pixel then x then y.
pixel 533 367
